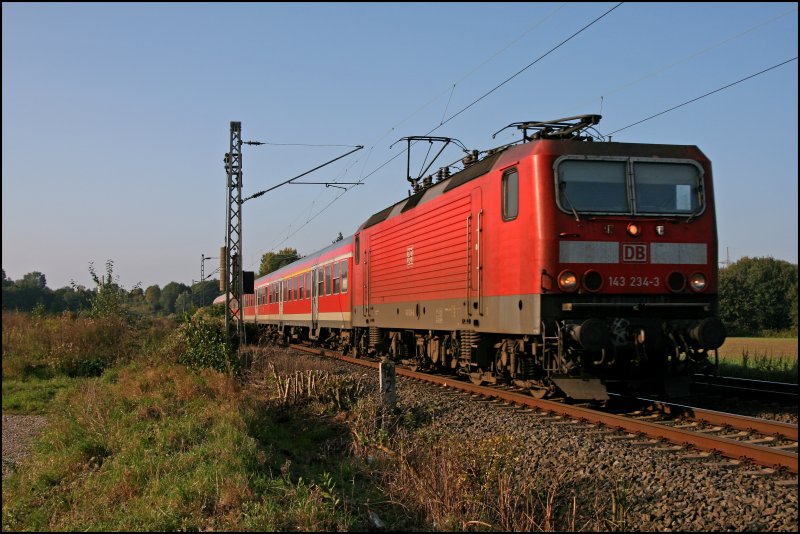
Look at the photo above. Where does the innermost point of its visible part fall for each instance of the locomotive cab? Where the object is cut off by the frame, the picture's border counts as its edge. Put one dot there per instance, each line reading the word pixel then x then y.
pixel 634 255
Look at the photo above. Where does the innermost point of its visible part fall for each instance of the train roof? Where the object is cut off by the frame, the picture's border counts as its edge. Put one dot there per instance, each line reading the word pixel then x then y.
pixel 310 258
pixel 506 155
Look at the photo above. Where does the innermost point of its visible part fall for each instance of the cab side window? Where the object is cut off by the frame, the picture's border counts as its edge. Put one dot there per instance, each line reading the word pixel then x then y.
pixel 510 194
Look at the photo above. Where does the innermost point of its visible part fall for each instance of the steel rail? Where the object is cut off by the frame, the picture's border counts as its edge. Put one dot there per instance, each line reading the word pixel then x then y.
pixel 762 389
pixel 731 448
pixel 738 422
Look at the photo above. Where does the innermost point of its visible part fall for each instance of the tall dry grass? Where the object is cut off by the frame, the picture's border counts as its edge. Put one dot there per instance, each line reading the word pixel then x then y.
pixel 75 346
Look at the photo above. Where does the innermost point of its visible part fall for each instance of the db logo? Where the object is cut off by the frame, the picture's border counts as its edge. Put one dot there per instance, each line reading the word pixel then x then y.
pixel 634 253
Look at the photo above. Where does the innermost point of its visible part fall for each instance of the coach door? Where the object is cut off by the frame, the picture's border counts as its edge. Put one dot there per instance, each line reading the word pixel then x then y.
pixel 474 259
pixel 315 302
pixel 281 298
pixel 366 270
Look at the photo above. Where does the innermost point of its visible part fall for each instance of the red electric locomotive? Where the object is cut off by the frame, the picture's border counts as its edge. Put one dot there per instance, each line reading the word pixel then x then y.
pixel 555 263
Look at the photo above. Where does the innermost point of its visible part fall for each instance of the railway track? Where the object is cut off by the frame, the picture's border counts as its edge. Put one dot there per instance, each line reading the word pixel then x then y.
pixel 781 392
pixel 766 443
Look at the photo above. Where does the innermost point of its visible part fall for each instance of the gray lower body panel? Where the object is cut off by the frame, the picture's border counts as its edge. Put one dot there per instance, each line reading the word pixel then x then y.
pixel 519 314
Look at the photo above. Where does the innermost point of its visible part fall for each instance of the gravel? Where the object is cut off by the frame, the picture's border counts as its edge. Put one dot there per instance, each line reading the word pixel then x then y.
pixel 666 490
pixel 18 430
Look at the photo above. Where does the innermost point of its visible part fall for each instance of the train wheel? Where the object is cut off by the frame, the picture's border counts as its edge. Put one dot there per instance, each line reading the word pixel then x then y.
pixel 539 393
pixel 476 378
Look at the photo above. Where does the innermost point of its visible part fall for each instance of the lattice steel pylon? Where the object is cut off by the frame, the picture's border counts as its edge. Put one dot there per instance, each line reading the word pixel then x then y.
pixel 233 235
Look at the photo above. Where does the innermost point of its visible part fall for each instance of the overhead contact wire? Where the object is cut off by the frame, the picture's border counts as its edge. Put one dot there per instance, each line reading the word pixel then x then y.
pixel 529 65
pixel 705 95
pixel 362 180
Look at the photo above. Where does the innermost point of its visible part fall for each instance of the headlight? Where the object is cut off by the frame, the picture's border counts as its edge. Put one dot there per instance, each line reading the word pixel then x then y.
pixel 567 281
pixel 676 281
pixel 592 280
pixel 634 229
pixel 697 282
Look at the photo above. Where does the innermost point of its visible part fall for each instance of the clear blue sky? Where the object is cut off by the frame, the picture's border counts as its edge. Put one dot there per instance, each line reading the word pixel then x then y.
pixel 116 116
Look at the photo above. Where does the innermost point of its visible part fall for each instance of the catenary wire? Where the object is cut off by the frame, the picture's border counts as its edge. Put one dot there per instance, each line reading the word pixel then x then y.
pixel 364 178
pixel 705 95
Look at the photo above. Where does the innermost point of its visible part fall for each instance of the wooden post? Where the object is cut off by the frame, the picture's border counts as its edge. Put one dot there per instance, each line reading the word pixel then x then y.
pixel 387 383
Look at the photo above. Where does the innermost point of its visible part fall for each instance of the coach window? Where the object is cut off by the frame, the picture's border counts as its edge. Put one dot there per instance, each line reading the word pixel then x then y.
pixel 320 282
pixel 510 195
pixel 336 278
pixel 308 284
pixel 328 279
pixel 344 276
pixel 358 249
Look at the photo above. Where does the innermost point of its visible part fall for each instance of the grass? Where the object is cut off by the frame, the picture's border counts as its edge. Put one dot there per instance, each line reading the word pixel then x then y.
pixel 154 445
pixel 33 395
pixel 773 359
pixel 772 347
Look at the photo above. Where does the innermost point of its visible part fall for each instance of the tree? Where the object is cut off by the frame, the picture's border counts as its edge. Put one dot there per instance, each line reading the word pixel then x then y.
pixel 73 298
pixel 110 298
pixel 170 294
pixel 137 295
pixel 757 294
pixel 338 238
pixel 152 295
pixel 26 293
pixel 204 293
pixel 272 261
pixel 183 304
pixel 34 279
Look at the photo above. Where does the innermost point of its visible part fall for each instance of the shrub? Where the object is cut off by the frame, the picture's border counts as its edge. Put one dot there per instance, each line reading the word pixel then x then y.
pixel 203 344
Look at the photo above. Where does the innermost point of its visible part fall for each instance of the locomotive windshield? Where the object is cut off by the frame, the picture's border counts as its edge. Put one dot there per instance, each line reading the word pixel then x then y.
pixel 629 186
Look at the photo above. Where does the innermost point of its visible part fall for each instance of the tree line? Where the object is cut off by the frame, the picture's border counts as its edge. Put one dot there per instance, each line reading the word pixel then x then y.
pixel 756 295
pixel 30 293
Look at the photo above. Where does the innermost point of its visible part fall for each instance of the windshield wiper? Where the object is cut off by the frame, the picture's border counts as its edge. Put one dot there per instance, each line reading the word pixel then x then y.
pixel 563 187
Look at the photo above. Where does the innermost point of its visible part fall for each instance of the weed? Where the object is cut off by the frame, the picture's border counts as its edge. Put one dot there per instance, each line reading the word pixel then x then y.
pixel 205 345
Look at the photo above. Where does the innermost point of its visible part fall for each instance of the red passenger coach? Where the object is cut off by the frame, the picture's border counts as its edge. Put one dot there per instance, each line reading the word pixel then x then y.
pixel 556 263
pixel 307 297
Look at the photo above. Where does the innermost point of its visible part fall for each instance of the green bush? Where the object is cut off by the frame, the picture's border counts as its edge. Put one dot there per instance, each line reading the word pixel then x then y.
pixel 205 346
